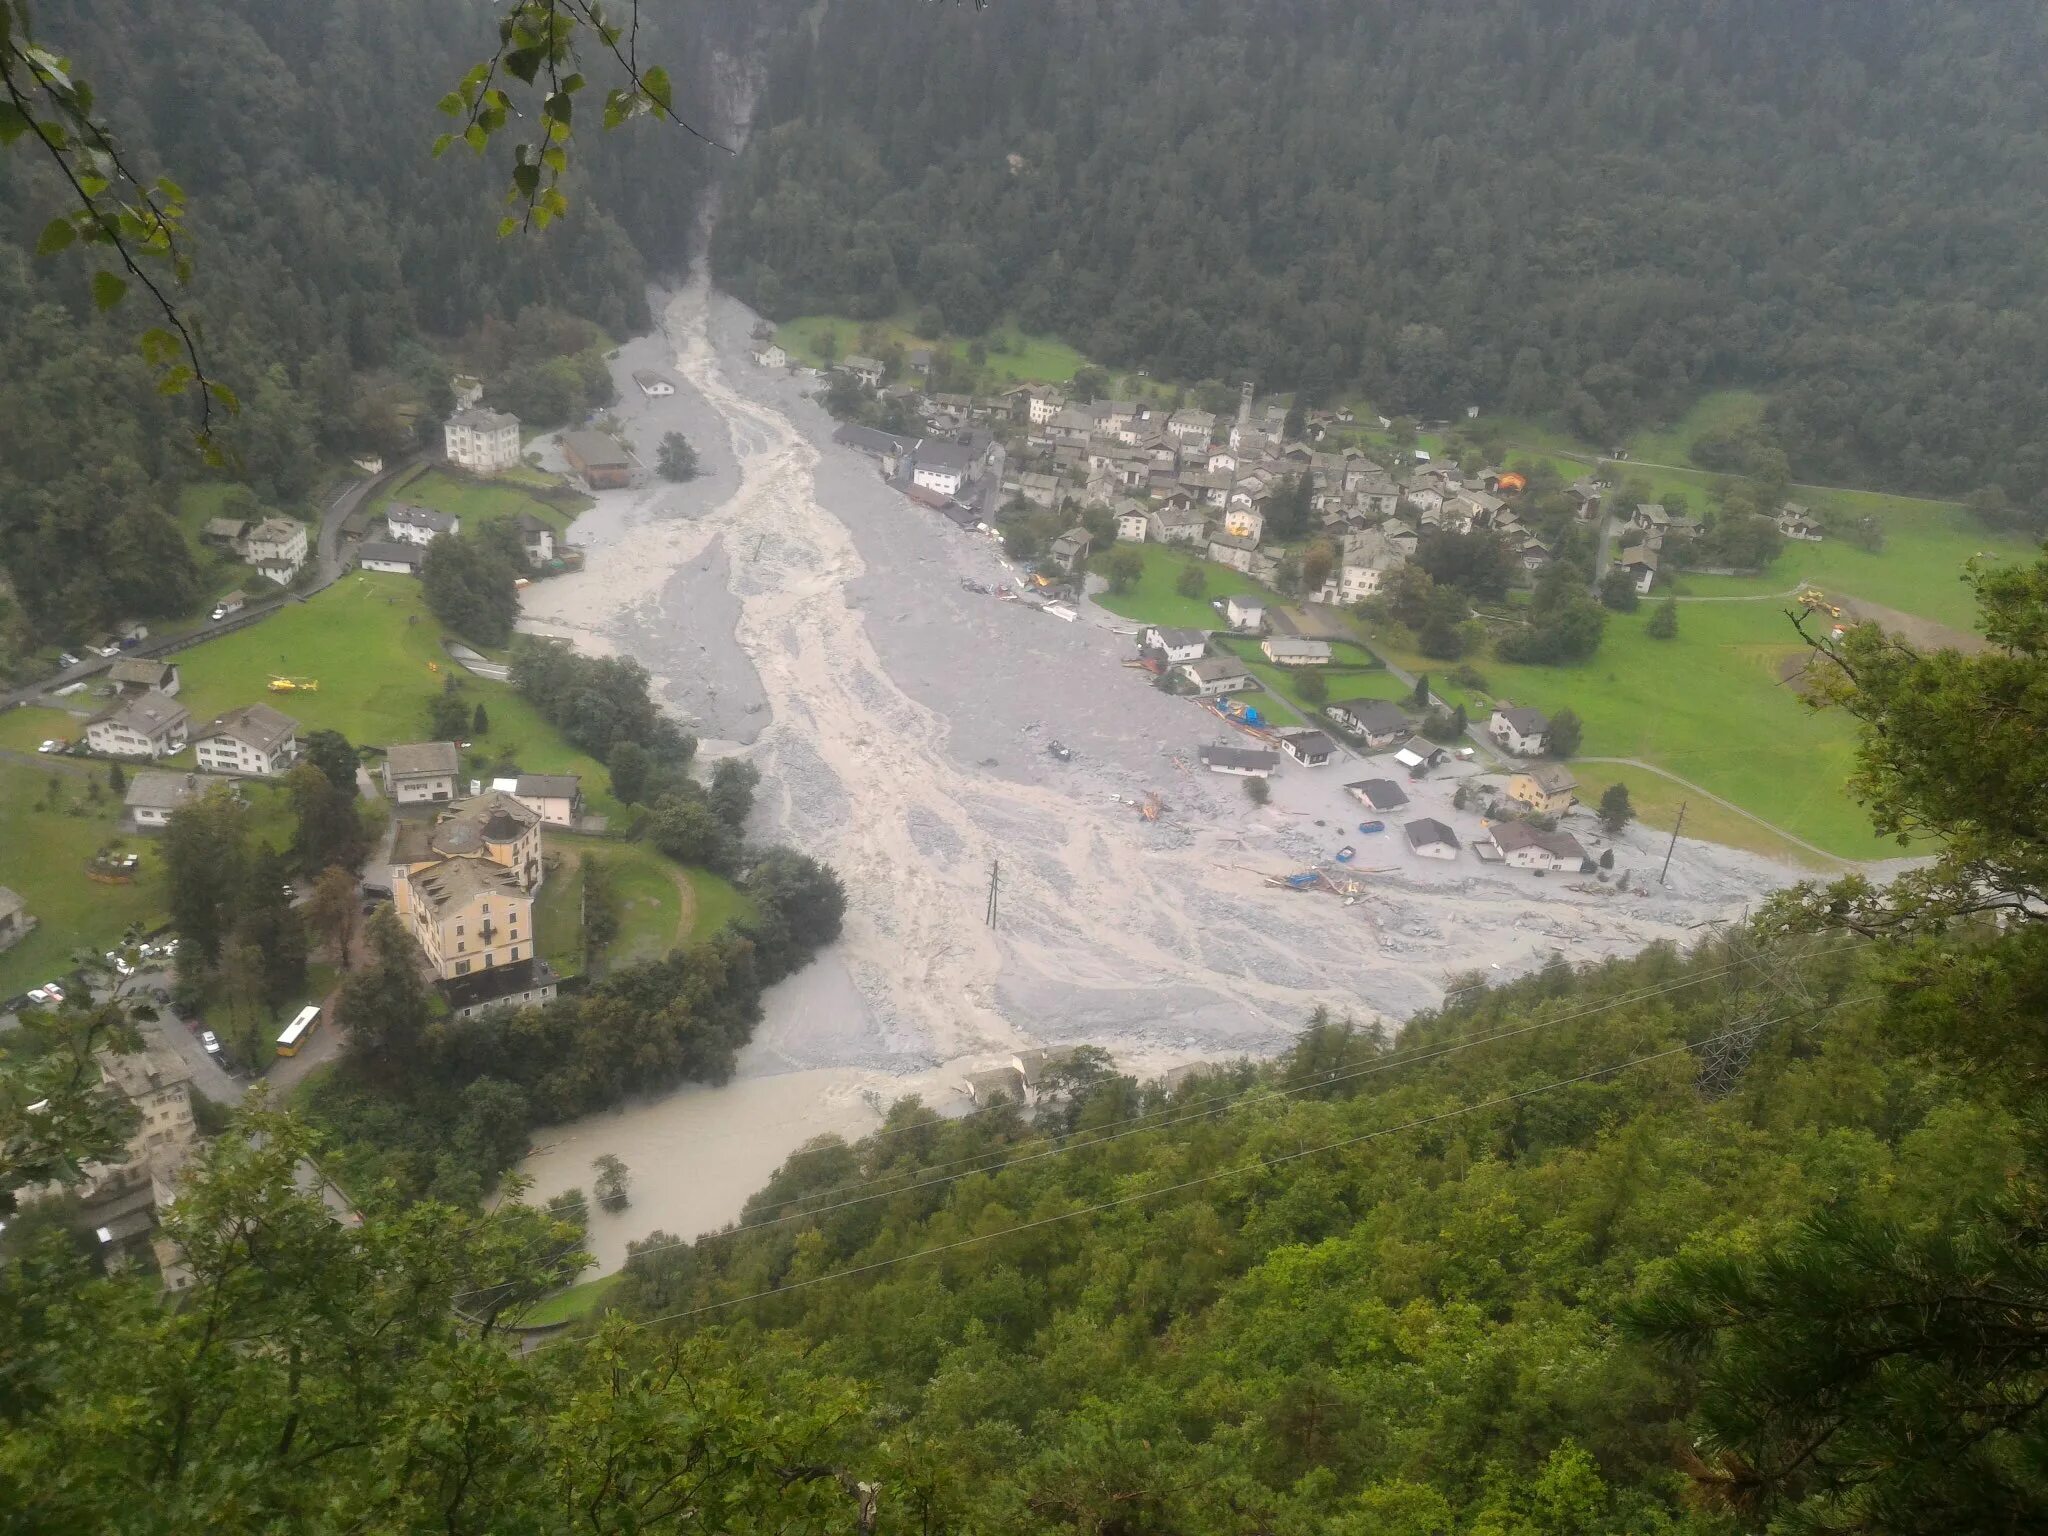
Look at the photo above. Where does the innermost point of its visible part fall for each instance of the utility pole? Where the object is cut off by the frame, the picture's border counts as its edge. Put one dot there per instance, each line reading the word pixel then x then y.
pixel 1672 846
pixel 995 879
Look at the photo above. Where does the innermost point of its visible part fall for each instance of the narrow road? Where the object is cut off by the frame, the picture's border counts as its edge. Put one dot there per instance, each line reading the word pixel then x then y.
pixel 1727 805
pixel 1600 550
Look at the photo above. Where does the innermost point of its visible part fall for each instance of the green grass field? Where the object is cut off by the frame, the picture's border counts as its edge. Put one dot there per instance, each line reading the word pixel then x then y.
pixel 662 904
pixel 717 902
pixel 1013 357
pixel 43 854
pixel 1154 601
pixel 1708 706
pixel 480 502
pixel 371 645
pixel 27 728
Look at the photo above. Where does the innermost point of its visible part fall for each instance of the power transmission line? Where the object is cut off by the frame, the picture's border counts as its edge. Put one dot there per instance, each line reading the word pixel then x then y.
pixel 1135 1125
pixel 1741 1039
pixel 1264 1164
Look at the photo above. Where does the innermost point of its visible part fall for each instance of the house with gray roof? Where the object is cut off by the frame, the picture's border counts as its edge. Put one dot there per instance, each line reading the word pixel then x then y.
pixel 1376 722
pixel 255 740
pixel 419 772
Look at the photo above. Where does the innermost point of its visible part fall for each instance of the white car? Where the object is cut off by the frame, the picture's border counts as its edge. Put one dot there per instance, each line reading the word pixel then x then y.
pixel 218 614
pixel 211 1041
pixel 67 660
pixel 48 993
pixel 51 745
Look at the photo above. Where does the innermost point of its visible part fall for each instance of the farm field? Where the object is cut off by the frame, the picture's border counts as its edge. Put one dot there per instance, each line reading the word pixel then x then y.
pixel 1708 706
pixel 479 502
pixel 371 645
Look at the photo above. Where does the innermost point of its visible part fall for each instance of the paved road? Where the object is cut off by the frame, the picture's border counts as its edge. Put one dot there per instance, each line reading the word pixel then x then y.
pixel 1600 554
pixel 1727 805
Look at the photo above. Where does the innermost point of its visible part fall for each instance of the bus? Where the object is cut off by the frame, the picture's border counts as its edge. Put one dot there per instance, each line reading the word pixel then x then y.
pixel 295 1033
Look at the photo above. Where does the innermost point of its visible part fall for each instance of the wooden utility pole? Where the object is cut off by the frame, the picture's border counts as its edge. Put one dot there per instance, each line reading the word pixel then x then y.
pixel 995 879
pixel 1672 846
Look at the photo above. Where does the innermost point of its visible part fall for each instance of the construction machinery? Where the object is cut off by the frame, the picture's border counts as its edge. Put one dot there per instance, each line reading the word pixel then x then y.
pixel 1151 805
pixel 295 685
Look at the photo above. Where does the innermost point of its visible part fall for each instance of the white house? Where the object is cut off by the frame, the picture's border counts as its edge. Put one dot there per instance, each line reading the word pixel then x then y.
pixel 1176 645
pixel 653 385
pixel 385 555
pixel 1247 522
pixel 537 539
pixel 1173 524
pixel 419 525
pixel 420 771
pixel 481 441
pixel 154 794
pixel 1240 762
pixel 1431 839
pixel 255 740
pixel 1311 749
pixel 1244 612
pixel 1190 426
pixel 277 547
pixel 1525 847
pixel 1375 721
pixel 1217 674
pixel 150 725
pixel 1131 527
pixel 1522 731
pixel 556 798
pixel 771 356
pixel 1287 651
pixel 941 466
pixel 1797 521
pixel 1221 461
pixel 867 369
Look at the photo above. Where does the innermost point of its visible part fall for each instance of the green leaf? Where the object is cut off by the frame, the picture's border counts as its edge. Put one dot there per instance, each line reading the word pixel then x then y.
pixel 572 82
pixel 56 235
pixel 476 136
pixel 225 398
pixel 13 122
pixel 523 63
pixel 655 84
pixel 556 107
pixel 157 345
pixel 441 144
pixel 526 178
pixel 108 289
pixel 507 226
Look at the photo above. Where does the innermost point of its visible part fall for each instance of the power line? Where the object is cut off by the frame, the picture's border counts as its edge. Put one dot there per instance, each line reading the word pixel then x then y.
pixel 885 1132
pixel 1141 1124
pixel 1210 1178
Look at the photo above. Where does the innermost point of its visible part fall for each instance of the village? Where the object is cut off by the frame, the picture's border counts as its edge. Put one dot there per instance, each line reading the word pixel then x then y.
pixel 1490 787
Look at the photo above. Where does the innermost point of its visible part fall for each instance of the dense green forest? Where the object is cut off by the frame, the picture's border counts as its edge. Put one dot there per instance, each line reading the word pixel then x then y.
pixel 339 269
pixel 1747 1239
pixel 1587 208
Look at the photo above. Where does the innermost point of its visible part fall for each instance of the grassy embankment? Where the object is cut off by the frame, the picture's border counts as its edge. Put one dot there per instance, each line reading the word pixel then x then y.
pixel 662 904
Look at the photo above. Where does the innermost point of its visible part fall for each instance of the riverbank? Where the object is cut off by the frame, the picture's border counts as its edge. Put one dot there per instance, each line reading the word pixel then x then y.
pixel 795 608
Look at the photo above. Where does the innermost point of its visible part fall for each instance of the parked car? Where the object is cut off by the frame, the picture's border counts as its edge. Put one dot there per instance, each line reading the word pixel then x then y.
pixel 218 613
pixel 51 745
pixel 211 1041
pixel 49 994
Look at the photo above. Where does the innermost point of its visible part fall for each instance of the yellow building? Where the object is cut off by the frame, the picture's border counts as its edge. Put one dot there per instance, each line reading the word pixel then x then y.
pixel 492 826
pixel 467 915
pixel 1546 788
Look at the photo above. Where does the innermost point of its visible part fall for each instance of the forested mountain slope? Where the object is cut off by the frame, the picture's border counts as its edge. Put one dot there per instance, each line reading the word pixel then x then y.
pixel 1593 207
pixel 333 254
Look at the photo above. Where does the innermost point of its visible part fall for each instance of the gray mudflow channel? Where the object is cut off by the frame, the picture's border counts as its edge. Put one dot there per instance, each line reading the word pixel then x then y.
pixel 796 608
